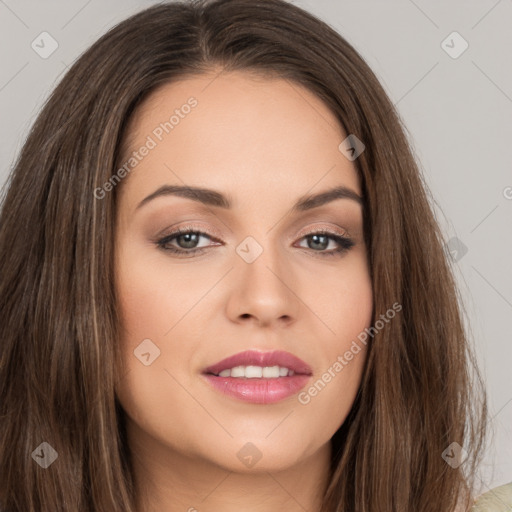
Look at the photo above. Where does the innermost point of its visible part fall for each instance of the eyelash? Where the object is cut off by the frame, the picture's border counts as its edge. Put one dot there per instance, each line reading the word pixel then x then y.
pixel 344 242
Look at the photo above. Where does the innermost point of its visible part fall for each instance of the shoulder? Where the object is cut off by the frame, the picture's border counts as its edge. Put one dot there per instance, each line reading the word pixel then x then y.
pixel 498 499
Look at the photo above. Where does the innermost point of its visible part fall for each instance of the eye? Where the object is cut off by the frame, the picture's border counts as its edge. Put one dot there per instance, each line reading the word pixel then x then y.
pixel 186 242
pixel 321 239
pixel 187 239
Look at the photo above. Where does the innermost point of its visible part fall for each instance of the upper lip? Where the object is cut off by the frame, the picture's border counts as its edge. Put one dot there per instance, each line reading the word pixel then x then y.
pixel 256 358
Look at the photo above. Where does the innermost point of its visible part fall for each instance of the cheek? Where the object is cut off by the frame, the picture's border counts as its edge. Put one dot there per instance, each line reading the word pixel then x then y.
pixel 344 301
pixel 347 310
pixel 153 299
pixel 354 315
pixel 353 308
pixel 153 304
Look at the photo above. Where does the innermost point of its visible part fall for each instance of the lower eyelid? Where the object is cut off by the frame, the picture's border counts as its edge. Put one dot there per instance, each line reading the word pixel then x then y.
pixel 216 238
pixel 343 242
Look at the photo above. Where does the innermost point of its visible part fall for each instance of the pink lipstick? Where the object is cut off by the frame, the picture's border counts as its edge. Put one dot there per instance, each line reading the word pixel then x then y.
pixel 259 377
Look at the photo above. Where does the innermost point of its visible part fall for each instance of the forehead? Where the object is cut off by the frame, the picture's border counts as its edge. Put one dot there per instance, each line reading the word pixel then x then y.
pixel 237 132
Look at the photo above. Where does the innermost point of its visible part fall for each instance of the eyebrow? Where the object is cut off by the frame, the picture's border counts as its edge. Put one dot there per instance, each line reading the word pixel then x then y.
pixel 214 198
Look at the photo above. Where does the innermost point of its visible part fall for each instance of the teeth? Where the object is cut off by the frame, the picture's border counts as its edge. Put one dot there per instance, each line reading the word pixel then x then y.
pixel 254 372
pixel 271 372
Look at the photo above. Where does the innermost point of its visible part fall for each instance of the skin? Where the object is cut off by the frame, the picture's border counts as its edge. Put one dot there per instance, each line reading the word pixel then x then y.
pixel 265 143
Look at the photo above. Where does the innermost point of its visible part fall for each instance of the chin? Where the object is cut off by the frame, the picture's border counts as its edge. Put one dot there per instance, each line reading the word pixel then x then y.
pixel 250 455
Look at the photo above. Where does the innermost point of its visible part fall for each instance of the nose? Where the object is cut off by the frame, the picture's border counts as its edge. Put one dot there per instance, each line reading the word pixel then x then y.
pixel 264 292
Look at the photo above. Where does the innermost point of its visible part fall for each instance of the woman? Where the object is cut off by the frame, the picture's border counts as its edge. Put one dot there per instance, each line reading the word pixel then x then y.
pixel 223 285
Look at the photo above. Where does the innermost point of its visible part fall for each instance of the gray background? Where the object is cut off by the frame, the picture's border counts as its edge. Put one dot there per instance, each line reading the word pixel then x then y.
pixel 458 113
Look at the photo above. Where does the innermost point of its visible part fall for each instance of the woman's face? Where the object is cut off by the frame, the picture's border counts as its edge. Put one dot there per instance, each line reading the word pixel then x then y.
pixel 265 279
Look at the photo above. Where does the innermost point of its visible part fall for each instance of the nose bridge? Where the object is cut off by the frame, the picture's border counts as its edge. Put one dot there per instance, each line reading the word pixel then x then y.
pixel 261 262
pixel 262 282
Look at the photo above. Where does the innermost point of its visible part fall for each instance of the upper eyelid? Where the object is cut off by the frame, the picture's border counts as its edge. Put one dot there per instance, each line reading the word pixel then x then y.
pixel 204 233
pixel 215 233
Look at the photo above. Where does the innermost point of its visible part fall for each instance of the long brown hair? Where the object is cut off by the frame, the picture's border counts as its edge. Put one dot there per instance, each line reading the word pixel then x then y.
pixel 59 352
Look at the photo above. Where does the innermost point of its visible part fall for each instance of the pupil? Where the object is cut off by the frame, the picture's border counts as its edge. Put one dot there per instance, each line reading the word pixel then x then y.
pixel 187 237
pixel 322 245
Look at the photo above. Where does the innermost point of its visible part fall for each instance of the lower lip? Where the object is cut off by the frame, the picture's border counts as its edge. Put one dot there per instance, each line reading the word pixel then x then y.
pixel 259 390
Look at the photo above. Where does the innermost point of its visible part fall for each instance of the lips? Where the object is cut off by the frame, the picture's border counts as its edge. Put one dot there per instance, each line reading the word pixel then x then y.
pixel 263 359
pixel 259 390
